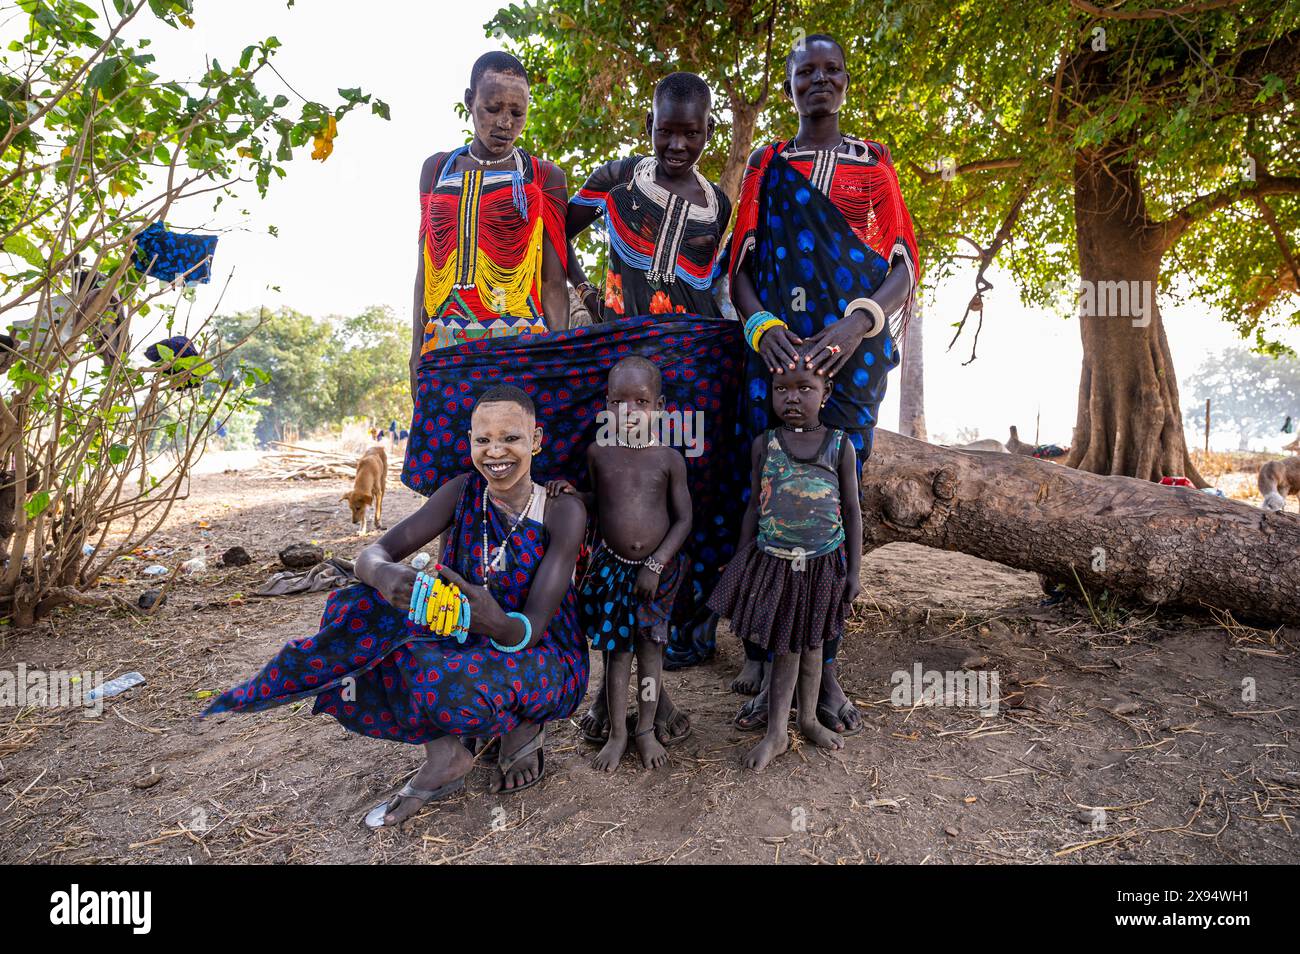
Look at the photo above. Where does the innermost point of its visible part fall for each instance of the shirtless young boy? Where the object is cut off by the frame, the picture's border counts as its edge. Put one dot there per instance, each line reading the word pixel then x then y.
pixel 643 516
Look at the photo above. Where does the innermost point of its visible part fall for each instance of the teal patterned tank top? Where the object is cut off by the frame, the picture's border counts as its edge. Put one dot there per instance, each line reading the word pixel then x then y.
pixel 799 499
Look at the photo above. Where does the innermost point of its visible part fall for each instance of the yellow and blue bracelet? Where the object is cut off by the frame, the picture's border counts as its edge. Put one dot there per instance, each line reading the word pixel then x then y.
pixel 440 607
pixel 758 324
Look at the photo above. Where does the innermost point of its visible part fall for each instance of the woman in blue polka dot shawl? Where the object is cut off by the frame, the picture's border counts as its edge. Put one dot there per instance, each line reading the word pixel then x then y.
pixel 823 241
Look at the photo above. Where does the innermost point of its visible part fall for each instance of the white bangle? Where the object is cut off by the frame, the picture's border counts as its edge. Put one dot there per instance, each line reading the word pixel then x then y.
pixel 872 307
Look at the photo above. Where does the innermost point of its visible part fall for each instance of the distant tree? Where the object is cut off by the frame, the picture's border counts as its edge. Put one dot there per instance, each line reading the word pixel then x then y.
pixel 293 352
pixel 1249 392
pixel 314 372
pixel 367 368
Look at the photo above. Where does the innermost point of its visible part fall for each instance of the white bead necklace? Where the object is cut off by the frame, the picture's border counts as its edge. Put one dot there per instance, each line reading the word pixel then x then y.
pixel 498 556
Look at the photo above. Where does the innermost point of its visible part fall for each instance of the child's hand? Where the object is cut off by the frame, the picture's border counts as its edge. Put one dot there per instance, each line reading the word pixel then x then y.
pixel 647 583
pixel 556 487
pixel 851 592
pixel 396 584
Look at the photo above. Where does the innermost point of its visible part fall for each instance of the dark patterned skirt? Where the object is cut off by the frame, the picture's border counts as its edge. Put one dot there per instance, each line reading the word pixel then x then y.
pixel 368 668
pixel 781 609
pixel 608 607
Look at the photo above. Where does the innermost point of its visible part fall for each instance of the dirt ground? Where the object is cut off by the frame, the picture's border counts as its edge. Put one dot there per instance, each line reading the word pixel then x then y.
pixel 1119 737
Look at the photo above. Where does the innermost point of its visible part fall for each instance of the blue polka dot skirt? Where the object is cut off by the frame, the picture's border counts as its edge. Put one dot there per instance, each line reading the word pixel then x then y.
pixel 609 609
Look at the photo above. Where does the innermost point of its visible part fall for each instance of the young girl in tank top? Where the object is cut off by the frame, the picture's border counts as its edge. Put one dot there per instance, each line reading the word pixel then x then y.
pixel 795 573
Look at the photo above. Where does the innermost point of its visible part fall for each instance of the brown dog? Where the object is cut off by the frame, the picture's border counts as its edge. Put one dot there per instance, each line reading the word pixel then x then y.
pixel 368 487
pixel 1278 479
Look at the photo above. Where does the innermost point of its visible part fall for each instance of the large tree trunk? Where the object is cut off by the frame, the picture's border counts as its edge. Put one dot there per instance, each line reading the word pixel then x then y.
pixel 744 119
pixel 1129 421
pixel 911 394
pixel 1141 541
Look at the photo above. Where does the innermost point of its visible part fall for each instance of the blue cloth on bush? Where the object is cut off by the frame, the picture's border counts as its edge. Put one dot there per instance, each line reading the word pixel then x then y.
pixel 167 256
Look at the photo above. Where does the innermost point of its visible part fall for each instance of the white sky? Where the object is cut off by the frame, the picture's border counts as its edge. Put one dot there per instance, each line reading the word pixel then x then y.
pixel 347 227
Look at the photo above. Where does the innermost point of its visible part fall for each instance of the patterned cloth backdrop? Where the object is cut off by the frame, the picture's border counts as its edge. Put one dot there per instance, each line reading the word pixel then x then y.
pixel 565 372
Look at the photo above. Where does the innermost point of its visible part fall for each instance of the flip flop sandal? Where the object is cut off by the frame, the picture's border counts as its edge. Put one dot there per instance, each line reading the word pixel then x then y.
pixel 749 718
pixel 667 740
pixel 826 716
pixel 595 738
pixel 507 762
pixel 374 819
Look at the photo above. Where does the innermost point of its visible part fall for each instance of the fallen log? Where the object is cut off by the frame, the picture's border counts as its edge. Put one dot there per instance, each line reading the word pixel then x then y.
pixel 1166 546
pixel 297 450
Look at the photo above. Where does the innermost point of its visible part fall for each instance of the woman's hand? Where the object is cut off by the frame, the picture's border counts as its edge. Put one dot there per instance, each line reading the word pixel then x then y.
pixel 778 349
pixel 831 348
pixel 395 583
pixel 487 618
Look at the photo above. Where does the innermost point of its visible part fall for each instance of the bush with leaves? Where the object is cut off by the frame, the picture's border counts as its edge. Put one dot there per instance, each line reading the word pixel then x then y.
pixel 94 148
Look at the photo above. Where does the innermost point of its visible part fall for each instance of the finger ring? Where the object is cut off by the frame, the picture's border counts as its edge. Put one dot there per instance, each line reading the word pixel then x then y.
pixel 833 349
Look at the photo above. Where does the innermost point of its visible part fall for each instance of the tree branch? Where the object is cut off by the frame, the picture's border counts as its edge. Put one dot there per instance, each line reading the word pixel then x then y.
pixel 982 165
pixel 55 98
pixel 1187 9
pixel 1266 211
pixel 1173 228
pixel 1245 67
pixel 986 257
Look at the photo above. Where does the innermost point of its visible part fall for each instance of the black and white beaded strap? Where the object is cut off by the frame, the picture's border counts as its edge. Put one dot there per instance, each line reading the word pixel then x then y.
pixel 823 170
pixel 668 241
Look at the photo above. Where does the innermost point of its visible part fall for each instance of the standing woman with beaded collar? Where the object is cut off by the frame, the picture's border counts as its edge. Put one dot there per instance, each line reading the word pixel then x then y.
pixel 822 252
pixel 492 247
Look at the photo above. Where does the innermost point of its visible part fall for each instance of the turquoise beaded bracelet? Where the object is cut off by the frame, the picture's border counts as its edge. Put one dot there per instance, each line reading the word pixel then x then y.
pixel 528 635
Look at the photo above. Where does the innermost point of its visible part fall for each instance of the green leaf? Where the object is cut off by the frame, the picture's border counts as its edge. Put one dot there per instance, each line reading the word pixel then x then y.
pixel 25 249
pixel 37 504
pixel 117 453
pixel 102 74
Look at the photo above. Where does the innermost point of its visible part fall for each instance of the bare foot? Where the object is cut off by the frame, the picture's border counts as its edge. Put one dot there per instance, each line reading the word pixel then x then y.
pixel 653 754
pixel 609 757
pixel 819 735
pixel 773 744
pixel 750 680
pixel 456 765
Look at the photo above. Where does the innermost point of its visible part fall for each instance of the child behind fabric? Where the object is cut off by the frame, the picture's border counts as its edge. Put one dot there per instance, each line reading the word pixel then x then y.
pixel 795 573
pixel 643 516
